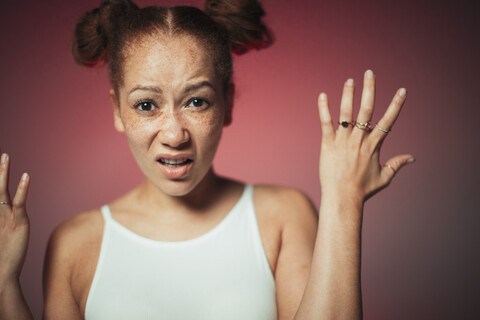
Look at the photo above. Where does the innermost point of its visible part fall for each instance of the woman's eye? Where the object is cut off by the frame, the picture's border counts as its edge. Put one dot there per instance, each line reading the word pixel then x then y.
pixel 145 106
pixel 197 103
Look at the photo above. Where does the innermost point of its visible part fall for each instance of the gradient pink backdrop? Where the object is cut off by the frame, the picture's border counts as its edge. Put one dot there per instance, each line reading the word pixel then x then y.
pixel 420 242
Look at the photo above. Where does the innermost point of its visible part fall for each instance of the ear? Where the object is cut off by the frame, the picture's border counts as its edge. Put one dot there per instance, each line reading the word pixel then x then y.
pixel 117 121
pixel 229 105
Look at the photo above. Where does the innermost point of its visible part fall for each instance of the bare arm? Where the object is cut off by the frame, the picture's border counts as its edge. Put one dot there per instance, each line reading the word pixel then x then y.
pixel 12 302
pixel 350 173
pixel 14 232
pixel 299 222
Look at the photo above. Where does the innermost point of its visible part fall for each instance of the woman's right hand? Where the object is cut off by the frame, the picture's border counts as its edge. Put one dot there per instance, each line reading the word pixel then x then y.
pixel 14 225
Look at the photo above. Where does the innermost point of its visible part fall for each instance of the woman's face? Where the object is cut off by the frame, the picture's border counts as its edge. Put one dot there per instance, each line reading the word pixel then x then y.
pixel 172 109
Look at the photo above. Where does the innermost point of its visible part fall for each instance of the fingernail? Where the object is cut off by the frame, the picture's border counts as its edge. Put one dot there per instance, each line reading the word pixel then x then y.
pixel 24 176
pixel 322 96
pixel 411 160
pixel 402 92
pixel 4 158
pixel 349 82
pixel 369 74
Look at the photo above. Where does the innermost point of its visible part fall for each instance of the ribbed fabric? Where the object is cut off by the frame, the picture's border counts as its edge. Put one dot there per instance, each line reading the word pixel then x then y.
pixel 223 274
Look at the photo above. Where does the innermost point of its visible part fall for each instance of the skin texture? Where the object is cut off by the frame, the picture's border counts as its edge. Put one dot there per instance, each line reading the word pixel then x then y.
pixel 159 71
pixel 315 260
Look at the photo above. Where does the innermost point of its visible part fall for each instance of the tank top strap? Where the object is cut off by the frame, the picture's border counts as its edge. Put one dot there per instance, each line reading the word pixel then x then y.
pixel 106 213
pixel 254 230
pixel 248 201
pixel 249 192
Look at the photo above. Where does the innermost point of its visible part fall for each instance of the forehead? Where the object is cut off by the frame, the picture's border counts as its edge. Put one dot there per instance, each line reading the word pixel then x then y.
pixel 167 61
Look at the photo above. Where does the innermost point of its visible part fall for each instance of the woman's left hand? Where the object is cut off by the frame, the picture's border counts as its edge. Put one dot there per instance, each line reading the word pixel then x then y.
pixel 349 158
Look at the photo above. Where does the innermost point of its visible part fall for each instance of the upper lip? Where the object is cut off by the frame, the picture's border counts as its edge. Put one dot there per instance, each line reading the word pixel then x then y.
pixel 176 156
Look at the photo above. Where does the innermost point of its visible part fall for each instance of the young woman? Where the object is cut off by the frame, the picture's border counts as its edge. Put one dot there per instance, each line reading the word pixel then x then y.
pixel 187 243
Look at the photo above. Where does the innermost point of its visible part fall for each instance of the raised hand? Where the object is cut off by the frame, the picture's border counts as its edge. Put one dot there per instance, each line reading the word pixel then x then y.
pixel 349 158
pixel 14 225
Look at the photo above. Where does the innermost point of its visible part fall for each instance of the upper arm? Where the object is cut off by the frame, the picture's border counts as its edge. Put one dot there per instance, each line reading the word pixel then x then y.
pixel 299 231
pixel 59 302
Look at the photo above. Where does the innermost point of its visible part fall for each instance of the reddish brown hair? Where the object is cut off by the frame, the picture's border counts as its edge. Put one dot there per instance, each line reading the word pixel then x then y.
pixel 102 34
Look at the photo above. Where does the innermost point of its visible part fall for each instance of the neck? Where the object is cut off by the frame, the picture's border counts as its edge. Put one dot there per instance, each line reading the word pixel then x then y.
pixel 198 200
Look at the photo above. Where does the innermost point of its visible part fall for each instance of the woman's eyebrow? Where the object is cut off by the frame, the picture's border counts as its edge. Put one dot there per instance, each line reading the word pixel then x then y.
pixel 197 86
pixel 146 88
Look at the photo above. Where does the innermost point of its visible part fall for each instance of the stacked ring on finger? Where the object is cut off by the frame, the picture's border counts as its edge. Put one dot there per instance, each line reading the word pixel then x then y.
pixel 345 123
pixel 381 129
pixel 391 168
pixel 363 126
pixel 4 202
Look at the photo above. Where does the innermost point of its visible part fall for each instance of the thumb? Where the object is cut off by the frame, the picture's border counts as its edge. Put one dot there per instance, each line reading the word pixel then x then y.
pixel 394 164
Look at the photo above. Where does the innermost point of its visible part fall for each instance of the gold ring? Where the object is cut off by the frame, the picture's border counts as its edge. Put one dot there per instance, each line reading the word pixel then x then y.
pixel 389 166
pixel 381 129
pixel 363 126
pixel 4 202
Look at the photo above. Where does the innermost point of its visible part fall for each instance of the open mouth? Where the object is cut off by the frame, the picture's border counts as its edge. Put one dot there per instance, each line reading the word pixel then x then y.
pixel 174 163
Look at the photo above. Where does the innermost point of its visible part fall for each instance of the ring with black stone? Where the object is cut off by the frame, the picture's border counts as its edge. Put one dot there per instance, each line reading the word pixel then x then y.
pixel 345 123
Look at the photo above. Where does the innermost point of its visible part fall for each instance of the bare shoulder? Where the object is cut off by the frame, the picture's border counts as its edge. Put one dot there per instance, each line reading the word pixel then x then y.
pixel 75 232
pixel 73 245
pixel 298 222
pixel 285 203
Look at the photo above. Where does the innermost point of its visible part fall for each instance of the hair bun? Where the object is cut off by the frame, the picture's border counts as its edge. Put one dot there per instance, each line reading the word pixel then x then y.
pixel 242 21
pixel 95 28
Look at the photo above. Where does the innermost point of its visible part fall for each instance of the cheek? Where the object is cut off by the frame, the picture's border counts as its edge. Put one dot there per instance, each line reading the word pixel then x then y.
pixel 210 125
pixel 138 132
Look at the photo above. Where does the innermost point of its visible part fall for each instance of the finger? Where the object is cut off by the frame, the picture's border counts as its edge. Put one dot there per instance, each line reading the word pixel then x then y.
pixel 325 117
pixel 20 199
pixel 346 105
pixel 368 99
pixel 4 169
pixel 393 165
pixel 385 124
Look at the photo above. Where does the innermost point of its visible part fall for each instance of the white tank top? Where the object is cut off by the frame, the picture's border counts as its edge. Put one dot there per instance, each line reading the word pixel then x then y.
pixel 223 274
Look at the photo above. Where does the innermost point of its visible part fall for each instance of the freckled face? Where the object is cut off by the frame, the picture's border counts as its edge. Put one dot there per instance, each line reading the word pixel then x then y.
pixel 172 110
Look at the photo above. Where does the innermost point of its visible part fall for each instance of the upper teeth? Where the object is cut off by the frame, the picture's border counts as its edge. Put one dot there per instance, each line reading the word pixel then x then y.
pixel 173 161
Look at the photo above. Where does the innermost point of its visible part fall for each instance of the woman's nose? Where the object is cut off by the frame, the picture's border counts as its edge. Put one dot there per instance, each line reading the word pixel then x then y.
pixel 173 132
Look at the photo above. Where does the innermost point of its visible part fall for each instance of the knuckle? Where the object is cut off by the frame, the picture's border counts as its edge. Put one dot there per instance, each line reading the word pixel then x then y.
pixel 366 149
pixel 399 100
pixel 324 122
pixel 18 204
pixel 353 146
pixel 373 145
pixel 397 164
pixel 369 84
pixel 366 110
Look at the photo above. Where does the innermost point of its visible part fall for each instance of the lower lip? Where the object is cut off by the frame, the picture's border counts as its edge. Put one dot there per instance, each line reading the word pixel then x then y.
pixel 175 173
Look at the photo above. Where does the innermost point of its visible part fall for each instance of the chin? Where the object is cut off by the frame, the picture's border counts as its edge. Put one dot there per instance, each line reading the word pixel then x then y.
pixel 177 188
pixel 180 187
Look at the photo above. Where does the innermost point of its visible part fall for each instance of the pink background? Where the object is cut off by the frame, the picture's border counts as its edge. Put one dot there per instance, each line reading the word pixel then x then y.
pixel 420 240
